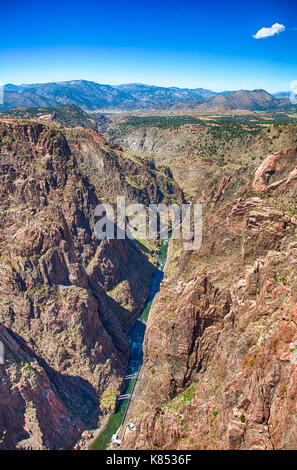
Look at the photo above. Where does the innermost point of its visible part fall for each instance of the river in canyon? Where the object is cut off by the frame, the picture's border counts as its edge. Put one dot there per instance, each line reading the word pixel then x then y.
pixel 135 336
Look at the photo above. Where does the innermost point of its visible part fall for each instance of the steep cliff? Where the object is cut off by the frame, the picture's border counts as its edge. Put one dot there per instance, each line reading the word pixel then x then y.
pixel 221 148
pixel 65 298
pixel 219 355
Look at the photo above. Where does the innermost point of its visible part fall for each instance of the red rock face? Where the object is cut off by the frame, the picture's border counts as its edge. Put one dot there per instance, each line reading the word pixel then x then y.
pixel 63 330
pixel 33 414
pixel 219 369
pixel 277 165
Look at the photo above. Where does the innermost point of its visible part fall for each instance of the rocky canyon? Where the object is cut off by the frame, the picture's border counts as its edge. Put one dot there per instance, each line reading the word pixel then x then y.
pixel 219 364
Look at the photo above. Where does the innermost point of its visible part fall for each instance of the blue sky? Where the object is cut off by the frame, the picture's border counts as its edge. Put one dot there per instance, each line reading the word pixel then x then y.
pixel 178 43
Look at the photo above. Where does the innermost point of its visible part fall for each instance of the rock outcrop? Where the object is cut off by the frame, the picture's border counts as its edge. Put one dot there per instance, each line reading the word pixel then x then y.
pixel 65 297
pixel 220 369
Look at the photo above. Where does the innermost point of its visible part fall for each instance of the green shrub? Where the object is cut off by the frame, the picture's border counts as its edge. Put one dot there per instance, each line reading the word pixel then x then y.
pixel 108 400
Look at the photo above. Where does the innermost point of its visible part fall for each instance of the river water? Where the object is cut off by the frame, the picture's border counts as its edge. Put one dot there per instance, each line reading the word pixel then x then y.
pixel 135 336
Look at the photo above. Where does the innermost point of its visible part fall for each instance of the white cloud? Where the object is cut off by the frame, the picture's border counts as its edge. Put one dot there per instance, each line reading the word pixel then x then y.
pixel 276 28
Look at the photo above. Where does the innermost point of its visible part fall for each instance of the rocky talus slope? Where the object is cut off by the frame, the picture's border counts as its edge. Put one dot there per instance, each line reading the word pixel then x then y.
pixel 65 298
pixel 220 370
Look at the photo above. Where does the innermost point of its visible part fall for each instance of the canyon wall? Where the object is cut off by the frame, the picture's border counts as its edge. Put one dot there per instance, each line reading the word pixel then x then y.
pixel 219 366
pixel 65 297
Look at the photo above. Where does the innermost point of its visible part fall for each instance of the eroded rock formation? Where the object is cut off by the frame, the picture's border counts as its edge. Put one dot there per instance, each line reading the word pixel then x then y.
pixel 220 369
pixel 65 297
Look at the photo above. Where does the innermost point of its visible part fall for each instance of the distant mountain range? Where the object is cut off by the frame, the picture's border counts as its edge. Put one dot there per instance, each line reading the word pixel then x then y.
pixel 92 96
pixel 282 94
pixel 256 100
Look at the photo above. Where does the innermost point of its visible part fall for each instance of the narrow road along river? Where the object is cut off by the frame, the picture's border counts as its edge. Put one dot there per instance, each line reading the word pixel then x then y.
pixel 135 335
